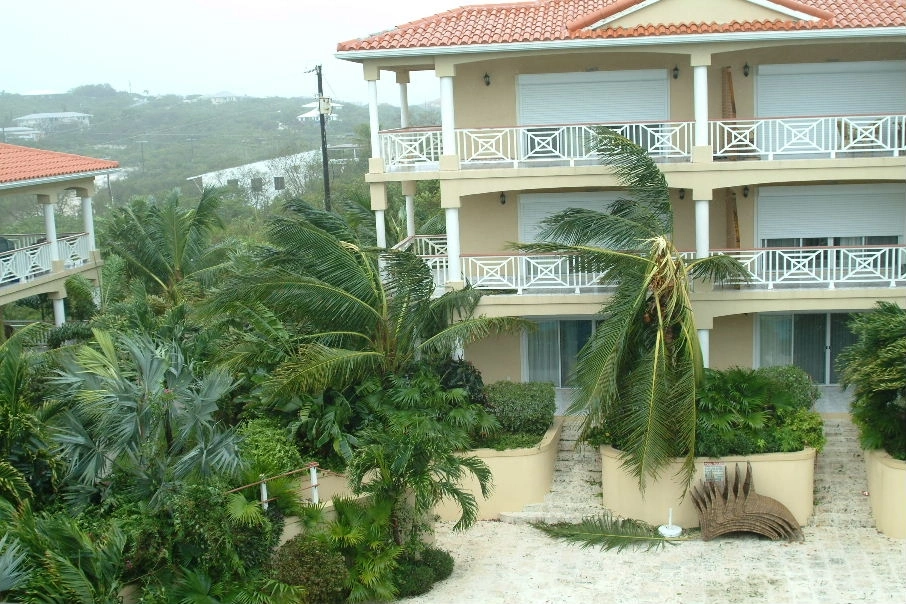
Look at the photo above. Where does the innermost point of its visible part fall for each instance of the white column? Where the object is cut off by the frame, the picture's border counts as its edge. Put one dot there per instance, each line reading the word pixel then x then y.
pixel 374 124
pixel 700 104
pixel 59 313
pixel 88 221
pixel 409 190
pixel 50 226
pixel 404 105
pixel 380 228
pixel 446 115
pixel 702 228
pixel 704 342
pixel 454 271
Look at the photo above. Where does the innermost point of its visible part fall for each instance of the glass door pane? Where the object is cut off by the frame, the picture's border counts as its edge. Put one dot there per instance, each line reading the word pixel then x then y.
pixel 544 353
pixel 809 345
pixel 573 336
pixel 840 338
pixel 775 339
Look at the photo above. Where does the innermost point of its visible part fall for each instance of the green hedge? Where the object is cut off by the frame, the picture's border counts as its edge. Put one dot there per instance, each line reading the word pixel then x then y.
pixel 527 408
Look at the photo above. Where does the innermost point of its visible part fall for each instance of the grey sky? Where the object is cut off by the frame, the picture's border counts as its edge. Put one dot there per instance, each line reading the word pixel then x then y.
pixel 253 47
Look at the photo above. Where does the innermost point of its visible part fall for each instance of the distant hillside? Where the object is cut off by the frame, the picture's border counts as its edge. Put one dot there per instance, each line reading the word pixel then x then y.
pixel 162 140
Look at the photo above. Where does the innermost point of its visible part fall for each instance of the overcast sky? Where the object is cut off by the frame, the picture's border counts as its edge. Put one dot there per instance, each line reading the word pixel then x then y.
pixel 247 47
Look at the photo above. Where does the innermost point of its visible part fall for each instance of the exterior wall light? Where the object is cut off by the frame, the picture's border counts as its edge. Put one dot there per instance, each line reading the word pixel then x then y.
pixel 746 69
pixel 676 72
pixel 745 191
pixel 682 193
pixel 503 199
pixel 487 79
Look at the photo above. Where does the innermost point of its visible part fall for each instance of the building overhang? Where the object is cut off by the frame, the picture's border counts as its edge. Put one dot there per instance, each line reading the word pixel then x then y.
pixel 53 180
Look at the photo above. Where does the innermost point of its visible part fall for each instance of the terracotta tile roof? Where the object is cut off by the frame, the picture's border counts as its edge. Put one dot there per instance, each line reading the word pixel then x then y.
pixel 24 164
pixel 550 20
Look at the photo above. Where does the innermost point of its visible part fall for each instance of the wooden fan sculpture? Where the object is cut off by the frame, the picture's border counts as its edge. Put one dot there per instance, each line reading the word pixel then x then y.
pixel 726 509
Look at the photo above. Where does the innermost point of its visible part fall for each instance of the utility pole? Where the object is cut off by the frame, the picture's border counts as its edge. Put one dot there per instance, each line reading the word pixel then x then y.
pixel 323 112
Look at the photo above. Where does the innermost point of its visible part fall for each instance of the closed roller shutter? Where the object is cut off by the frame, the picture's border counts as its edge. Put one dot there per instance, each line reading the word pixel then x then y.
pixel 535 207
pixel 813 89
pixel 832 211
pixel 593 97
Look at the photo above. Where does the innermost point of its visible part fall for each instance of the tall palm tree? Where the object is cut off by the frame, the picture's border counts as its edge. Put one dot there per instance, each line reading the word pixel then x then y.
pixel 359 317
pixel 640 371
pixel 166 244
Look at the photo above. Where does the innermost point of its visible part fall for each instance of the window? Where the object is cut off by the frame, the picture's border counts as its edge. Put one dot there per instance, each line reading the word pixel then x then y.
pixel 233 182
pixel 553 348
pixel 257 185
pixel 279 183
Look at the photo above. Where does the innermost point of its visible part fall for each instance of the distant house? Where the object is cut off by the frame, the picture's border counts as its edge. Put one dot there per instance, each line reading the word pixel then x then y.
pixel 263 180
pixel 313 114
pixel 48 122
pixel 18 133
pixel 222 97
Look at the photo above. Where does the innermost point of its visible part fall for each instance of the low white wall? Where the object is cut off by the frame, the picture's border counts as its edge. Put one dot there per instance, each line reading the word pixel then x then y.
pixel 887 491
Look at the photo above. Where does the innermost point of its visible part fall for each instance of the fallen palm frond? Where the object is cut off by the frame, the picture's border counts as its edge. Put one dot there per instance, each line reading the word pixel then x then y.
pixel 607 532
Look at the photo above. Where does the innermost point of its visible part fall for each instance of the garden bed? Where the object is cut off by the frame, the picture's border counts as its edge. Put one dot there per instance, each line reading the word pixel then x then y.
pixel 521 476
pixel 887 491
pixel 787 477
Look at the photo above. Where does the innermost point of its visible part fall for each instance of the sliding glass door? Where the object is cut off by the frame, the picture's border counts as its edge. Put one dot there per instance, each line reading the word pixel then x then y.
pixel 551 350
pixel 810 341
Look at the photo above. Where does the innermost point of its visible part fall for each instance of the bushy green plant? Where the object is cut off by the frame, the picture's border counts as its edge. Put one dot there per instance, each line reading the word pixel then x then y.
pixel 504 441
pixel 459 373
pixel 312 562
pixel 749 411
pixel 413 578
pixel 527 407
pixel 267 447
pixel 440 561
pixel 876 369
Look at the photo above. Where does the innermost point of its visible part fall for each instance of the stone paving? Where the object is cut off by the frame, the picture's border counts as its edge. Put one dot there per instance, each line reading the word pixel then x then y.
pixel 841 560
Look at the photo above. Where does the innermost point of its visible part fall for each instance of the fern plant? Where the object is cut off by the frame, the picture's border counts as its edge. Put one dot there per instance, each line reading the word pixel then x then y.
pixel 607 532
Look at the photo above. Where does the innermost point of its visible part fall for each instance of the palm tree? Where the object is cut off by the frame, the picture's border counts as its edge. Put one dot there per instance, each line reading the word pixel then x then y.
pixel 166 244
pixel 640 371
pixel 358 317
pixel 137 407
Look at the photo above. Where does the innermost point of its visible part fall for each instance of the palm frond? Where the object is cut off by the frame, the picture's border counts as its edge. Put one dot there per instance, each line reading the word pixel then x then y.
pixel 607 533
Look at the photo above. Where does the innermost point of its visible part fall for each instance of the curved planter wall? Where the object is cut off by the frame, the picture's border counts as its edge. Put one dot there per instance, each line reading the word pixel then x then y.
pixel 787 477
pixel 887 491
pixel 521 477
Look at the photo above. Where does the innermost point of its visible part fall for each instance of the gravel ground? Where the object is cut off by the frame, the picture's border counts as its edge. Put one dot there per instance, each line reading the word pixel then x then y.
pixel 842 559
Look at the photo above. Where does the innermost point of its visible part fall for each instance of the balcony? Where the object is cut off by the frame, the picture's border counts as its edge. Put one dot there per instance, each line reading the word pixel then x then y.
pixel 774 268
pixel 31 258
pixel 415 149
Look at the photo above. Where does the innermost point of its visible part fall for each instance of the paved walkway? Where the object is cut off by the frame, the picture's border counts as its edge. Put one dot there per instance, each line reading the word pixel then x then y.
pixel 842 559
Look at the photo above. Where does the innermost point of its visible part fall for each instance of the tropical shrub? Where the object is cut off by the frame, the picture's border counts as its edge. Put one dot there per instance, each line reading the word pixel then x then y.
pixel 459 373
pixel 440 561
pixel 874 366
pixel 413 578
pixel 791 381
pixel 267 447
pixel 313 563
pixel 527 407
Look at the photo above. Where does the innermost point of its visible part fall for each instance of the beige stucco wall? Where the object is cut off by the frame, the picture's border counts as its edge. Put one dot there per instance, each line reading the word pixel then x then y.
pixel 887 489
pixel 787 477
pixel 498 358
pixel 486 226
pixel 731 341
pixel 521 477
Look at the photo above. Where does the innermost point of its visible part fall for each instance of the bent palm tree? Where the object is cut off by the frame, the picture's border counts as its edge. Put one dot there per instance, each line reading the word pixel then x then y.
pixel 640 370
pixel 358 319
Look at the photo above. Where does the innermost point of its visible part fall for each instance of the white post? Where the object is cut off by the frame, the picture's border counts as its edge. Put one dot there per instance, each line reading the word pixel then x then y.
pixel 373 121
pixel 88 221
pixel 448 134
pixel 313 474
pixel 404 105
pixel 380 228
pixel 704 342
pixel 59 311
pixel 700 104
pixel 454 270
pixel 50 227
pixel 264 497
pixel 409 190
pixel 702 228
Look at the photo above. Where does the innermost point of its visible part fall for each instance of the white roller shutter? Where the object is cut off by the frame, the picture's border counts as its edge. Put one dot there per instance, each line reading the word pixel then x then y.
pixel 832 211
pixel 593 97
pixel 813 89
pixel 535 207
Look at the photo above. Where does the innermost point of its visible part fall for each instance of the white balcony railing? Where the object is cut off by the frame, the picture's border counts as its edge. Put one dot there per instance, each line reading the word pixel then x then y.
pixel 768 139
pixel 23 264
pixel 828 267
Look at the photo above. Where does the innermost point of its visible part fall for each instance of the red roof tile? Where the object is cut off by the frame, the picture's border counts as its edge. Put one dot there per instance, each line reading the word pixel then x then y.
pixel 567 19
pixel 24 164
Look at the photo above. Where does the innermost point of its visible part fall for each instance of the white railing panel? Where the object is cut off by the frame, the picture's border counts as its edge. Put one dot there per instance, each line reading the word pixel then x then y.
pixel 21 265
pixel 410 147
pixel 73 250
